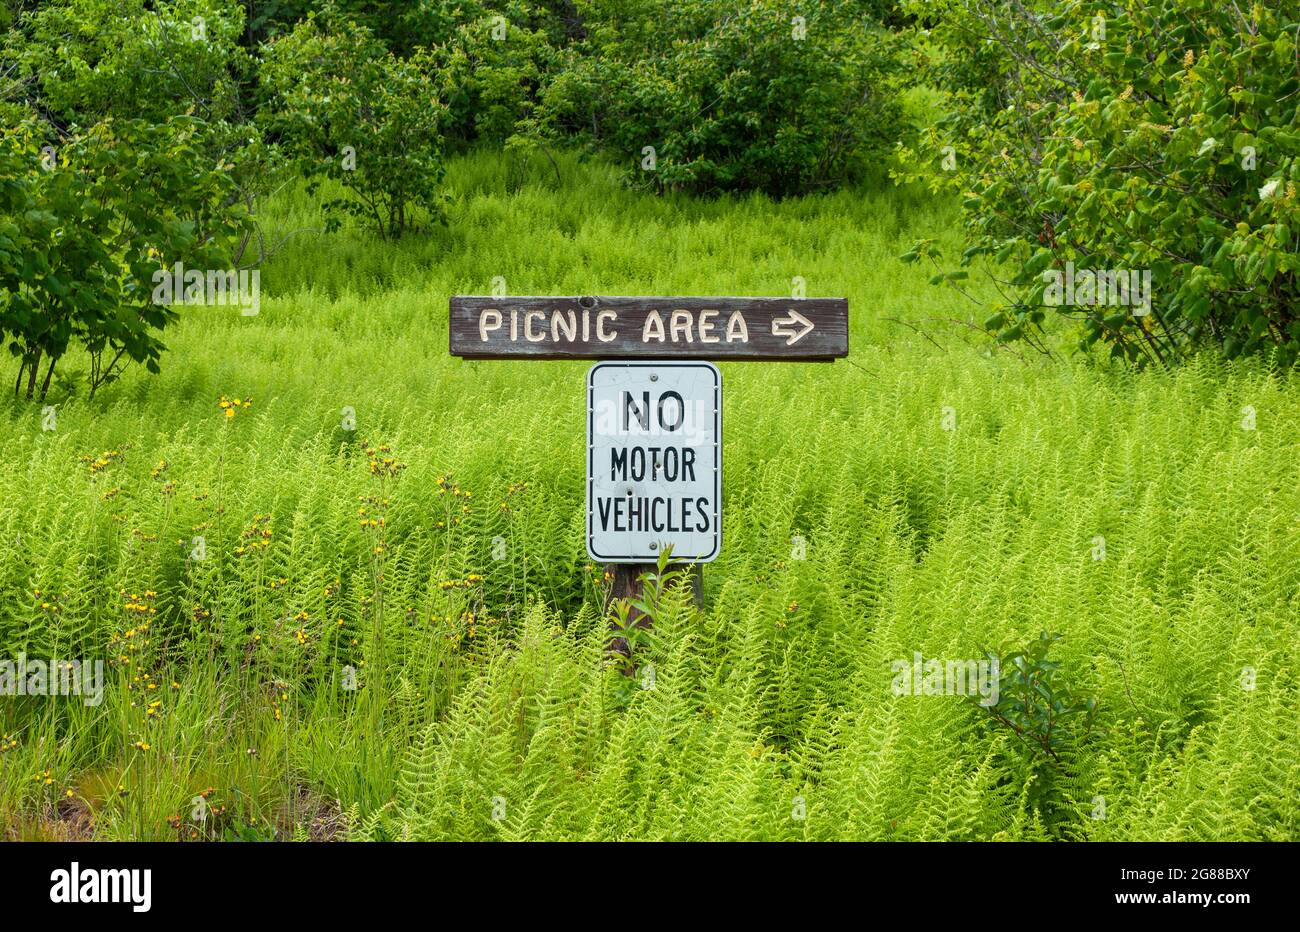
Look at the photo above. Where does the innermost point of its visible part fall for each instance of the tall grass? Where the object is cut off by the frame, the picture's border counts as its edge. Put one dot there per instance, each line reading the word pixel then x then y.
pixel 484 708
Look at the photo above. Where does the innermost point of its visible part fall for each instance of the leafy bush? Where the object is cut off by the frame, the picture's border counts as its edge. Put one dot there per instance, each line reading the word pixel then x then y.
pixel 493 68
pixel 1152 138
pixel 349 110
pixel 87 59
pixel 1033 703
pixel 403 25
pixel 81 61
pixel 730 96
pixel 83 228
pixel 491 56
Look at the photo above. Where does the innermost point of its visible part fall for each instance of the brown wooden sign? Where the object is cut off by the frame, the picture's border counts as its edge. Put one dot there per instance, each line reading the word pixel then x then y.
pixel 778 329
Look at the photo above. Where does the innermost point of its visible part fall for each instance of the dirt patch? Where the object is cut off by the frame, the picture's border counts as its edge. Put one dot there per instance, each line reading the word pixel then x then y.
pixel 67 820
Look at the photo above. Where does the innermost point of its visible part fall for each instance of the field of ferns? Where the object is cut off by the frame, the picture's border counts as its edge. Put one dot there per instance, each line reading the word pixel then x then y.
pixel 338 585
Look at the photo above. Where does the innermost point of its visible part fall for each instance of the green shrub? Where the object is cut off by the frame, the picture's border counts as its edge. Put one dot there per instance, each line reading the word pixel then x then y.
pixel 402 25
pixel 348 109
pixel 83 228
pixel 710 97
pixel 87 59
pixel 81 61
pixel 493 69
pixel 1033 703
pixel 1152 138
pixel 406 25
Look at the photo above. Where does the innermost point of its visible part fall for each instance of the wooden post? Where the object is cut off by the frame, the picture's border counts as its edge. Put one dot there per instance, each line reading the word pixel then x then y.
pixel 627 585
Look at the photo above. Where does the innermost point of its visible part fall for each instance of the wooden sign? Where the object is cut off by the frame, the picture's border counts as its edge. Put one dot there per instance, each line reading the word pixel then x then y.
pixel 779 329
pixel 654 461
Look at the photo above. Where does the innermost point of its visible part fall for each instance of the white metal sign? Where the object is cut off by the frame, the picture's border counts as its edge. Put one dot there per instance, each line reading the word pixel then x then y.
pixel 654 461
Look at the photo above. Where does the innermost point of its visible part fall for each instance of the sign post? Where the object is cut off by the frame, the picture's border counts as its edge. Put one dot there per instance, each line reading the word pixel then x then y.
pixel 654 401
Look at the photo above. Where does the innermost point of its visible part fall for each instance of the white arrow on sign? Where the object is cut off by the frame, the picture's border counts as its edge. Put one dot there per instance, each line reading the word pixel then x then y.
pixel 779 328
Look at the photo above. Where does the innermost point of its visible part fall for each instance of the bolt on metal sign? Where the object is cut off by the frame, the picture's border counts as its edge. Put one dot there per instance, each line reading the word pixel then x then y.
pixel 654 461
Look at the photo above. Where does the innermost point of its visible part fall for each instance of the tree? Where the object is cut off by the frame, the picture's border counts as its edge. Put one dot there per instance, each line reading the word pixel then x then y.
pixel 1154 138
pixel 349 110
pixel 78 62
pixel 85 222
pixel 714 96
